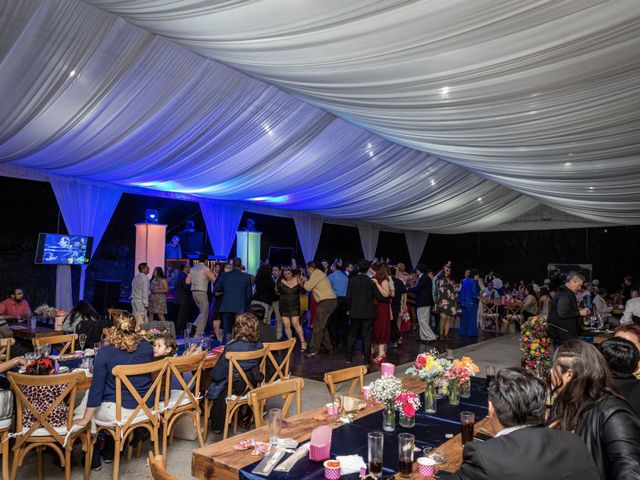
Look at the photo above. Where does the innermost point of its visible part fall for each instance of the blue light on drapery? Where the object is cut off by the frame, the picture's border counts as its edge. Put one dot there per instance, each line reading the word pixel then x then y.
pixel 416 242
pixel 309 230
pixel 222 221
pixel 86 209
pixel 369 240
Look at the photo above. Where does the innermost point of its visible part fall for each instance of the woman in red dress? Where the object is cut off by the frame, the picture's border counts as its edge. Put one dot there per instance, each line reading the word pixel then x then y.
pixel 381 334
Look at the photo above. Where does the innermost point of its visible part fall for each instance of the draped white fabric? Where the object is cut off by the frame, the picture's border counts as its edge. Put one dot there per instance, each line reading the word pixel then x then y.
pixel 309 230
pixel 538 96
pixel 369 240
pixel 499 106
pixel 86 210
pixel 222 221
pixel 416 242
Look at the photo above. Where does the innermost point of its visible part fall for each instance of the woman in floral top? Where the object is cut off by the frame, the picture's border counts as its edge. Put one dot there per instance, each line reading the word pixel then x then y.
pixel 447 301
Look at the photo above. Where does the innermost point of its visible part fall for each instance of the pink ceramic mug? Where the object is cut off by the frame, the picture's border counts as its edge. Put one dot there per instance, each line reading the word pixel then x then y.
pixel 332 409
pixel 426 467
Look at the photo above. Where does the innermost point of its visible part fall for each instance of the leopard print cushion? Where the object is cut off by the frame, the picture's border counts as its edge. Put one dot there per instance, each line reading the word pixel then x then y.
pixel 41 397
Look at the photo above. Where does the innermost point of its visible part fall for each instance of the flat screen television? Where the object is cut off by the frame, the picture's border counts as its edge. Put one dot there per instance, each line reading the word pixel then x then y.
pixel 59 249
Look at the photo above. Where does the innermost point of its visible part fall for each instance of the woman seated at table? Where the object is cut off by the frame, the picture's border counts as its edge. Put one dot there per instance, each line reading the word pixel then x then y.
pixel 530 307
pixel 124 347
pixel 588 403
pixel 84 319
pixel 631 333
pixel 245 340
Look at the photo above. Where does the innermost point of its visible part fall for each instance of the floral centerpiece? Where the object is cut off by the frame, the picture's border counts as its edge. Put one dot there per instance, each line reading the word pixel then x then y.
pixel 386 389
pixel 46 313
pixel 407 403
pixel 468 363
pixel 429 368
pixel 535 345
pixel 151 334
pixel 457 375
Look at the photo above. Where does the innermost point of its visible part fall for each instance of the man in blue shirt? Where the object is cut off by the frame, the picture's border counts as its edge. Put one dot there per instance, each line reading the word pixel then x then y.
pixel 338 324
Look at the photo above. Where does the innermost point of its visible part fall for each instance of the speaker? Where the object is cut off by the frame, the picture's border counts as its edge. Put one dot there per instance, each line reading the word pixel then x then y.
pixel 106 294
pixel 191 242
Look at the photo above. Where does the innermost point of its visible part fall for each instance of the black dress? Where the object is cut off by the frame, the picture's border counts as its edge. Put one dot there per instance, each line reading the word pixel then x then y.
pixel 289 299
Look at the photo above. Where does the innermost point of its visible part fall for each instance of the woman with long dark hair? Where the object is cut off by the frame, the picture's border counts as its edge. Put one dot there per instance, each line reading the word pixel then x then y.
pixel 381 334
pixel 447 301
pixel 83 319
pixel 588 403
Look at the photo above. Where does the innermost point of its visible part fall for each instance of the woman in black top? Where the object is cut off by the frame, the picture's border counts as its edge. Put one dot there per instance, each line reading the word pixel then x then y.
pixel 290 290
pixel 588 403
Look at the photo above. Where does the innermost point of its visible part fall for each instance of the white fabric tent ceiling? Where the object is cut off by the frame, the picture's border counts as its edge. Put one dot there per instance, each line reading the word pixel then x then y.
pixel 449 116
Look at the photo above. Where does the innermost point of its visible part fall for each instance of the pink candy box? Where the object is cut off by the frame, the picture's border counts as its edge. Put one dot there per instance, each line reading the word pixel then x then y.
pixel 387 369
pixel 320 447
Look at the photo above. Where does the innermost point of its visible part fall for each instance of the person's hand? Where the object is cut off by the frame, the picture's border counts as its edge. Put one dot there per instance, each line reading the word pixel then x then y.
pixel 20 362
pixel 82 422
pixel 584 312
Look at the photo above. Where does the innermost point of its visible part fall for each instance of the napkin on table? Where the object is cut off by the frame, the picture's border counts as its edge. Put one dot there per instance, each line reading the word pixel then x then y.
pixel 350 464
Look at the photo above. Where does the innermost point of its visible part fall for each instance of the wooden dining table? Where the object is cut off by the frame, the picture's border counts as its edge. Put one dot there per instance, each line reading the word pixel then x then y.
pixel 23 331
pixel 222 461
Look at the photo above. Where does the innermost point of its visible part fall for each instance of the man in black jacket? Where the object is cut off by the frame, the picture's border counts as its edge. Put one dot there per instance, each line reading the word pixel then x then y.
pixel 424 301
pixel 523 448
pixel 564 322
pixel 361 292
pixel 622 356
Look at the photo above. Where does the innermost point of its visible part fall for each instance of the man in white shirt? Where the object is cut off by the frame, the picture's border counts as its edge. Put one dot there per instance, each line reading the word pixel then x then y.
pixel 631 310
pixel 140 293
pixel 199 277
pixel 497 283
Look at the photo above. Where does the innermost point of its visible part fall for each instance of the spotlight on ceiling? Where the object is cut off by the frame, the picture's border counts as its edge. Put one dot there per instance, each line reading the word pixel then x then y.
pixel 72 73
pixel 151 216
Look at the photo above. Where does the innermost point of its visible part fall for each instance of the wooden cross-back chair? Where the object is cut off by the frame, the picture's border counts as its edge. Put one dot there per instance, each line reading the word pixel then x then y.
pixel 142 416
pixel 186 400
pixel 5 349
pixel 355 374
pixel 63 343
pixel 41 433
pixel 280 366
pixel 512 314
pixel 234 401
pixel 288 389
pixel 490 315
pixel 157 468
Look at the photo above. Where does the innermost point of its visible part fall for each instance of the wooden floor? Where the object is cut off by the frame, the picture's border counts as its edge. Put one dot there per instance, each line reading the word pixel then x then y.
pixel 406 352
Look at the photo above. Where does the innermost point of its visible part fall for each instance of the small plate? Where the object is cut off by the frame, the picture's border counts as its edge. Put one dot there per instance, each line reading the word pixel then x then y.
pixel 63 369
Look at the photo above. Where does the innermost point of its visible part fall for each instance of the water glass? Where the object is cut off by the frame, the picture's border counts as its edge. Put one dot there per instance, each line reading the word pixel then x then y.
pixel 46 350
pixel 275 425
pixel 406 446
pixel 450 354
pixel 467 424
pixel 375 442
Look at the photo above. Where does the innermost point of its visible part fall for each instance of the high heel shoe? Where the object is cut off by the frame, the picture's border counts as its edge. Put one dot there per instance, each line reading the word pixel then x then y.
pixel 379 359
pixel 303 348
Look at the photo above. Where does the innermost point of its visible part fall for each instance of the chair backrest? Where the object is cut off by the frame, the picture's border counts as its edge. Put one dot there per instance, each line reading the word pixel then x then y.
pixel 234 366
pixel 69 381
pixel 288 389
pixel 280 366
pixel 5 348
pixel 157 468
pixel 355 374
pixel 63 343
pixel 489 307
pixel 122 373
pixel 113 313
pixel 160 325
pixel 176 366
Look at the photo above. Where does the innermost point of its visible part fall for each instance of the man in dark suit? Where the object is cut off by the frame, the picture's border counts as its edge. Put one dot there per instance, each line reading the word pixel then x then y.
pixel 424 301
pixel 564 322
pixel 183 297
pixel 622 356
pixel 361 292
pixel 523 447
pixel 235 288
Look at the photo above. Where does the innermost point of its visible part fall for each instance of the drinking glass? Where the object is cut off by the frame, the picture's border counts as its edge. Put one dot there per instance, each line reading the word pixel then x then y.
pixel 275 425
pixel 46 350
pixel 375 441
pixel 406 445
pixel 82 339
pixel 491 374
pixel 467 424
pixel 450 354
pixel 205 342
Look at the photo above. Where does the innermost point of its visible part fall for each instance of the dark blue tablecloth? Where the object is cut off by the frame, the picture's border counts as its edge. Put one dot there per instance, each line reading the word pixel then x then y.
pixel 430 431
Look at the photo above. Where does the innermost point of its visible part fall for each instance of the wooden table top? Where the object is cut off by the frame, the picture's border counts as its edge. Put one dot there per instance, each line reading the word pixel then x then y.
pixel 24 331
pixel 221 461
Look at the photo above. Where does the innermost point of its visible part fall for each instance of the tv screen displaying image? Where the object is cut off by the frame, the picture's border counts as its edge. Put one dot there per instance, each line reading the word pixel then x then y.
pixel 59 249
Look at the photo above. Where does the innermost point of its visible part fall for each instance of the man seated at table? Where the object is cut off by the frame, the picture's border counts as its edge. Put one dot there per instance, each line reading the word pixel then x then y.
pixel 622 356
pixel 523 447
pixel 15 305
